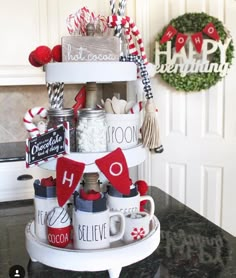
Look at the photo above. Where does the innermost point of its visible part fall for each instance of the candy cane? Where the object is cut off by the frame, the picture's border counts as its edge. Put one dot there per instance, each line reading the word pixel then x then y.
pixel 131 27
pixel 28 119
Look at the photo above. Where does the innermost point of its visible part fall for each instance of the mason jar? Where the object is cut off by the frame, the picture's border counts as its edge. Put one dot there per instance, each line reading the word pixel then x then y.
pixel 91 130
pixel 58 116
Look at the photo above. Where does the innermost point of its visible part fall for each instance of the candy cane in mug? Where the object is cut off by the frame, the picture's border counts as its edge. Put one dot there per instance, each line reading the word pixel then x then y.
pixel 30 115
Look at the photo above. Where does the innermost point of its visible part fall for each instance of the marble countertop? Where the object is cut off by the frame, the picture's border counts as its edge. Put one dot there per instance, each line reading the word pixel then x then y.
pixel 190 246
pixel 12 151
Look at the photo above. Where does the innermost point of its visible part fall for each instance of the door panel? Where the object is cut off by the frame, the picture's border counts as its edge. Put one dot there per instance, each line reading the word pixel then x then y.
pixel 198 130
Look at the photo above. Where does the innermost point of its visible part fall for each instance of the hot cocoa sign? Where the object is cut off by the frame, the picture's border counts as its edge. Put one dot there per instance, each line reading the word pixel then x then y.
pixel 90 49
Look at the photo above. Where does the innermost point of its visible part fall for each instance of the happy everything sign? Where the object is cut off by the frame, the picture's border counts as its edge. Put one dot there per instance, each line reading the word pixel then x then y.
pixel 185 58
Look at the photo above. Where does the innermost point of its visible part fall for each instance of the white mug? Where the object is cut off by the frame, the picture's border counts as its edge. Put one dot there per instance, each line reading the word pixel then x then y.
pixel 42 208
pixel 91 230
pixel 129 204
pixel 137 226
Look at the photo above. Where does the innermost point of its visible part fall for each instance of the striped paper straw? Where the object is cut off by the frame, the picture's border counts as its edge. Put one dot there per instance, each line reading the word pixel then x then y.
pixel 112 6
pixel 120 12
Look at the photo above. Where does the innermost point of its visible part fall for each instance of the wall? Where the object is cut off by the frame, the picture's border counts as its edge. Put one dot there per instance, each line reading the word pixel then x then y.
pixel 16 100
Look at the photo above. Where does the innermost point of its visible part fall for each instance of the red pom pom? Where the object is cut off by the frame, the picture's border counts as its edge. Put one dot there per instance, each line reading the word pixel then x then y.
pixel 57 53
pixel 142 187
pixel 42 54
pixel 32 60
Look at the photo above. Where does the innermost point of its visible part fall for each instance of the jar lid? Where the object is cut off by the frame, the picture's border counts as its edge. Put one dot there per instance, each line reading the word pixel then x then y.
pixel 91 113
pixel 60 112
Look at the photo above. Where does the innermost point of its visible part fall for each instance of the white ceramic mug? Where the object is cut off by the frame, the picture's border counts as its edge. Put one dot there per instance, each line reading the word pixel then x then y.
pixel 91 230
pixel 137 226
pixel 122 131
pixel 129 204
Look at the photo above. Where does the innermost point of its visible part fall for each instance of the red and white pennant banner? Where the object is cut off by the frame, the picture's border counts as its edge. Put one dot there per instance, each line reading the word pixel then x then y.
pixel 196 38
pixel 112 165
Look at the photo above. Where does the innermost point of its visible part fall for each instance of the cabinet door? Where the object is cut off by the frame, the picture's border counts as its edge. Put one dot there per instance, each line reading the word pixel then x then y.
pixel 16 182
pixel 23 27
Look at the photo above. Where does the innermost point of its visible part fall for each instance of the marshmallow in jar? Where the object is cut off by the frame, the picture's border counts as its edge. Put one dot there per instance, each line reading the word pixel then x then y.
pixel 91 130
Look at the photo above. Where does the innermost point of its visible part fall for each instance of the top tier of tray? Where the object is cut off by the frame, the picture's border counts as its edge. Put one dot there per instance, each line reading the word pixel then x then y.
pixel 83 72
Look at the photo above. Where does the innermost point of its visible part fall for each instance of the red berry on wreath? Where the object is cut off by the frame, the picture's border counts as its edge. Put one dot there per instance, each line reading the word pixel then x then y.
pixel 57 53
pixel 32 60
pixel 42 54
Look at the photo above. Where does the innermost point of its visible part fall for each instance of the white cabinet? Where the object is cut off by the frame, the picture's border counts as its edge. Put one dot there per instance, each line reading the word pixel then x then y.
pixel 16 182
pixel 22 28
pixel 27 24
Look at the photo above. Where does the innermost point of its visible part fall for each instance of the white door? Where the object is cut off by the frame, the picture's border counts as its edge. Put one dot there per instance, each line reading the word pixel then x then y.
pixel 198 130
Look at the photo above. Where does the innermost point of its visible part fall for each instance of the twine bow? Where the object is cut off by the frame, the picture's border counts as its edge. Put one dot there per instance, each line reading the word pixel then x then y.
pixel 131 31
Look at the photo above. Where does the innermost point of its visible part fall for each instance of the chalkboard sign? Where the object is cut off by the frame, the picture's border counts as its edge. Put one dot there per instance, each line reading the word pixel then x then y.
pixel 47 146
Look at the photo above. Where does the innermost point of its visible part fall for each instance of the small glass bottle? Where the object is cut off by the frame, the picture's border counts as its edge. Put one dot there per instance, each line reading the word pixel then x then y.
pixel 124 44
pixel 91 130
pixel 58 116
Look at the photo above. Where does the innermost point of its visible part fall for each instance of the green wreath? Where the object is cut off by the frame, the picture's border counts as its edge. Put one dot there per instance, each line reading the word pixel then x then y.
pixel 193 23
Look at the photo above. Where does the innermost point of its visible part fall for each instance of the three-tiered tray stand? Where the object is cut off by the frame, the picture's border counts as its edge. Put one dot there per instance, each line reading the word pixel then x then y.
pixel 119 254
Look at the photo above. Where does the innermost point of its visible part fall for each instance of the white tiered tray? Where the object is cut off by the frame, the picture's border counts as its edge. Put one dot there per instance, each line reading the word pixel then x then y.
pixel 83 72
pixel 134 156
pixel 111 259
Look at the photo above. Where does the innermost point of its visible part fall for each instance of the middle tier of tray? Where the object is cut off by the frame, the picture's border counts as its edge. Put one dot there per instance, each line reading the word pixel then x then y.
pixel 83 72
pixel 134 156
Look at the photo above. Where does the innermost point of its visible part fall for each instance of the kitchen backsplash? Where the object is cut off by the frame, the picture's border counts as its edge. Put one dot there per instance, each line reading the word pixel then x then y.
pixel 16 100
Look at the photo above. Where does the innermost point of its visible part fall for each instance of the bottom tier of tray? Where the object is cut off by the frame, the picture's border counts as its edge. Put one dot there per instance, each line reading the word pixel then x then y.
pixel 111 259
